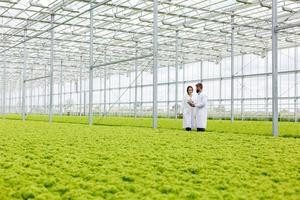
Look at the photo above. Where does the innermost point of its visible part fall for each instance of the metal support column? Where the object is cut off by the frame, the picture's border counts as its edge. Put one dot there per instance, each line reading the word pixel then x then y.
pixel 119 90
pixel 129 87
pixel 45 92
pixel 38 98
pixel 64 94
pixel 155 61
pixel 60 87
pixel 274 70
pixel 267 87
pixel 109 91
pixel 183 79
pixel 84 102
pixel 242 89
pixel 220 89
pixel 136 82
pixel 296 85
pixel 91 65
pixel 168 93
pixel 51 71
pixel 141 103
pixel 31 86
pixel 9 97
pixel 100 93
pixel 232 70
pixel 176 74
pixel 20 95
pixel 80 87
pixel 4 85
pixel 201 71
pixel 105 84
pixel 71 97
pixel 24 77
pixel 10 88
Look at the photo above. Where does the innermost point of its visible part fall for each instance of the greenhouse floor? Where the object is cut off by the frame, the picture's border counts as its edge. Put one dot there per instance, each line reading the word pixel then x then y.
pixel 122 158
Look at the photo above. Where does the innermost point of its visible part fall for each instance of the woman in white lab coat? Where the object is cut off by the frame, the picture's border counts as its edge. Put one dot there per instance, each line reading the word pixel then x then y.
pixel 188 110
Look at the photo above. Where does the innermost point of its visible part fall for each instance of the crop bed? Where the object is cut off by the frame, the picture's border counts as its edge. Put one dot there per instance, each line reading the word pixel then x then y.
pixel 39 160
pixel 286 129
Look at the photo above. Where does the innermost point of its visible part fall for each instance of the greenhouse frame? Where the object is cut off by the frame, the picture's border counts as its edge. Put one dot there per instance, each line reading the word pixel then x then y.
pixel 136 57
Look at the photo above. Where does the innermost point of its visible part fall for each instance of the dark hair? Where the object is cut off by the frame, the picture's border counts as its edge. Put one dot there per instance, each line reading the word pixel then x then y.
pixel 187 89
pixel 199 85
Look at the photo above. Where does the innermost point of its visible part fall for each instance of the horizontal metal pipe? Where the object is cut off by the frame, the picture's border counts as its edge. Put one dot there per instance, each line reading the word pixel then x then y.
pixel 34 79
pixel 287 26
pixel 173 101
pixel 121 61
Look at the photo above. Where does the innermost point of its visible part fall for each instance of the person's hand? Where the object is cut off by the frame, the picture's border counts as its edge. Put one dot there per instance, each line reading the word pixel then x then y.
pixel 191 103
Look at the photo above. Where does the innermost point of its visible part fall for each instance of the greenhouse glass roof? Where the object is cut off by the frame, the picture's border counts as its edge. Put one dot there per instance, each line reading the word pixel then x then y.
pixel 123 29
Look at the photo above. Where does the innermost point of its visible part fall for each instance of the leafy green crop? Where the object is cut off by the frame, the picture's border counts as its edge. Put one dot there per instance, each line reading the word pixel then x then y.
pixel 39 160
pixel 286 129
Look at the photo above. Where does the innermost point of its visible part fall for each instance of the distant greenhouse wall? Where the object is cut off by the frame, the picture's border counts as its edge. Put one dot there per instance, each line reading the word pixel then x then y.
pixel 252 84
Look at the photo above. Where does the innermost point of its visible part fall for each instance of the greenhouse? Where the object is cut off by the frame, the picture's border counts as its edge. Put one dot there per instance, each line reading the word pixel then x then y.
pixel 95 99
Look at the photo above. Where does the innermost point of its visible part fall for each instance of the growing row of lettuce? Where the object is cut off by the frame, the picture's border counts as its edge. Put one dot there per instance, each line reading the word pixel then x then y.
pixel 287 129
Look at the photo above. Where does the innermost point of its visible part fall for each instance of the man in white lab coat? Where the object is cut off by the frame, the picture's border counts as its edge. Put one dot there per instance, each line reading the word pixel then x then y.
pixel 200 104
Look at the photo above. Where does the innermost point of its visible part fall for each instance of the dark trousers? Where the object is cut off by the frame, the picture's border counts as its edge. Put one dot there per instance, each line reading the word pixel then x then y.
pixel 188 129
pixel 201 129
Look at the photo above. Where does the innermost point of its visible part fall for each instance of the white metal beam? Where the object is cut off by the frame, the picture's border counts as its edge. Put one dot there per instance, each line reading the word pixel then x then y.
pixel 24 77
pixel 176 72
pixel 274 70
pixel 60 88
pixel 155 61
pixel 91 62
pixel 232 70
pixel 136 82
pixel 51 70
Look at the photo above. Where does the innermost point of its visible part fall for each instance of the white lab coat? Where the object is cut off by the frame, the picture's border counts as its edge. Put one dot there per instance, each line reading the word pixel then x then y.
pixel 188 112
pixel 201 110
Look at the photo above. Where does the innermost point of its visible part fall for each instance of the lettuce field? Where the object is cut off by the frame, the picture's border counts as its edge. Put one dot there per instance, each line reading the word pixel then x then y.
pixel 122 158
pixel 287 129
